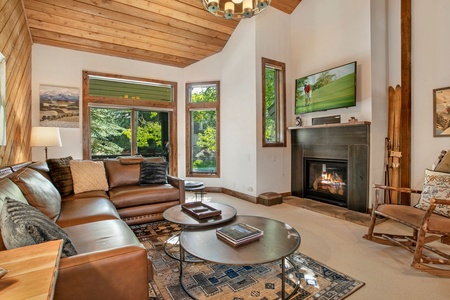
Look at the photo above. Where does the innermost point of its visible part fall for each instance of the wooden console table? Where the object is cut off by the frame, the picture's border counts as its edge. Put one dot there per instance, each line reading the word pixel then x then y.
pixel 32 271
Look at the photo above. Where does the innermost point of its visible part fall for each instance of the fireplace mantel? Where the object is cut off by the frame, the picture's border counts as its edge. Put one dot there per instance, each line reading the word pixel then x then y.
pixel 346 141
pixel 330 125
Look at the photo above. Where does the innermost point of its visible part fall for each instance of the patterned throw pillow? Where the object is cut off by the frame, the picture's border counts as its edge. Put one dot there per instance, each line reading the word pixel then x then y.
pixel 61 174
pixel 24 225
pixel 435 185
pixel 88 176
pixel 153 173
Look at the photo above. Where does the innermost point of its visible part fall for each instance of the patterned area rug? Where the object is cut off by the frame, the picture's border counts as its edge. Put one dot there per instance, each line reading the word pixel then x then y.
pixel 215 281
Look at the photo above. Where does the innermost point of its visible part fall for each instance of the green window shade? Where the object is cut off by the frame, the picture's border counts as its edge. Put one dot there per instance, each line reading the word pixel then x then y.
pixel 128 89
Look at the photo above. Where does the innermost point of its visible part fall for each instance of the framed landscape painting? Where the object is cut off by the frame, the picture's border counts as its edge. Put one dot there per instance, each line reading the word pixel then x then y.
pixel 441 112
pixel 59 106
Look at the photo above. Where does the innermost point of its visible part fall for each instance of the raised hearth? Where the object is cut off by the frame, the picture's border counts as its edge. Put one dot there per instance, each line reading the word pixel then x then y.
pixel 345 143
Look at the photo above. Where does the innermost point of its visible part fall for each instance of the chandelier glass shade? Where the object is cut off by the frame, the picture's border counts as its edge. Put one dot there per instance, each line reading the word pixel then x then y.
pixel 235 9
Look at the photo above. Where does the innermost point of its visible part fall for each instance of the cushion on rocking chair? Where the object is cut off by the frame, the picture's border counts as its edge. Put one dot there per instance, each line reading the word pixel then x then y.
pixel 435 185
pixel 414 217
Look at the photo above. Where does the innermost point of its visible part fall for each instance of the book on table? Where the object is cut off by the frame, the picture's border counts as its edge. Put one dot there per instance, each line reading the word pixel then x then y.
pixel 238 234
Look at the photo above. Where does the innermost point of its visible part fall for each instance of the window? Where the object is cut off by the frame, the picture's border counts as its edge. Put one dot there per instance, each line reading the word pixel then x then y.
pixel 274 103
pixel 202 130
pixel 128 116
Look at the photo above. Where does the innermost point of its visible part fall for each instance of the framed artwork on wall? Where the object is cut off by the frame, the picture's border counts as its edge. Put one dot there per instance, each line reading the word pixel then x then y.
pixel 441 112
pixel 59 106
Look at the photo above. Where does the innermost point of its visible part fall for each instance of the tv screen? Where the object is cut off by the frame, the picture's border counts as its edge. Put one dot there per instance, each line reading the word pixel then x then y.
pixel 330 89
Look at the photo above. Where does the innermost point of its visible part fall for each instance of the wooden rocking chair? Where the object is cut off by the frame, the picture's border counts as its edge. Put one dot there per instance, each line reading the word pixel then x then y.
pixel 426 227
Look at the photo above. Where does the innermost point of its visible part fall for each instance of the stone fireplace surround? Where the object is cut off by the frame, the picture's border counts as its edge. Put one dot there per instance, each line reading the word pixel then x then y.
pixel 343 141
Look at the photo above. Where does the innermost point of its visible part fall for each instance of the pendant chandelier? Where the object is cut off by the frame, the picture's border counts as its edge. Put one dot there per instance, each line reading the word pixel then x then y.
pixel 235 9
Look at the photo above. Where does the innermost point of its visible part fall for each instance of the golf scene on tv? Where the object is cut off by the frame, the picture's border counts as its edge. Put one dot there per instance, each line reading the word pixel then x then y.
pixel 330 89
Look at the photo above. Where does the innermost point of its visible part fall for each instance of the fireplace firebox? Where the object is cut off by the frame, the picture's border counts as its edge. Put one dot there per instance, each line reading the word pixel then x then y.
pixel 326 180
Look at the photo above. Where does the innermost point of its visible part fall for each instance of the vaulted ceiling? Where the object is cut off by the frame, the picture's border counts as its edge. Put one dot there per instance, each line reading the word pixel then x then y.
pixel 169 32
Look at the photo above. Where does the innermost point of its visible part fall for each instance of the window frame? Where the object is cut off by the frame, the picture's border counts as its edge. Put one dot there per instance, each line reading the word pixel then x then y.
pixel 280 95
pixel 134 104
pixel 202 106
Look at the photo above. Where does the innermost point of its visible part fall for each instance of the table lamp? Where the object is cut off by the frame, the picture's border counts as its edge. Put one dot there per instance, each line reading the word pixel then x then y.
pixel 45 137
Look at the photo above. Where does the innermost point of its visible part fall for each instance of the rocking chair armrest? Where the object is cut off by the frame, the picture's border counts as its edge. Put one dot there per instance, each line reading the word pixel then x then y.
pixel 440 201
pixel 397 189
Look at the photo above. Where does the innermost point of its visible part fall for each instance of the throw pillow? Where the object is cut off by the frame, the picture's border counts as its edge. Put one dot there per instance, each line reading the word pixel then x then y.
pixel 435 185
pixel 24 225
pixel 39 191
pixel 153 173
pixel 59 169
pixel 88 176
pixel 444 163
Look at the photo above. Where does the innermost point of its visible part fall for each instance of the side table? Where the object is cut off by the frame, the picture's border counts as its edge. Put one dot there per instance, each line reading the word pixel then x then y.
pixel 195 186
pixel 32 271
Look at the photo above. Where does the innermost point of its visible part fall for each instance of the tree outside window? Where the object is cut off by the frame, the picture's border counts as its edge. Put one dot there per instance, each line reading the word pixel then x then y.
pixel 202 157
pixel 274 103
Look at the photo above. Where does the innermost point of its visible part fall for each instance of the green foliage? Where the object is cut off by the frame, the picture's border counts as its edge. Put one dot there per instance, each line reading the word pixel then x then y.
pixel 270 129
pixel 106 130
pixel 205 94
pixel 207 140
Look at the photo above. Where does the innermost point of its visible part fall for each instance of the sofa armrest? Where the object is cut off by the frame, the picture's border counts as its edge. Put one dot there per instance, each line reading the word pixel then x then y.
pixel 178 183
pixel 120 273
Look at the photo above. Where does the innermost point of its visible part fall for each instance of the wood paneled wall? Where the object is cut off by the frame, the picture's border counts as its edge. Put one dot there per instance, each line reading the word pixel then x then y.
pixel 15 44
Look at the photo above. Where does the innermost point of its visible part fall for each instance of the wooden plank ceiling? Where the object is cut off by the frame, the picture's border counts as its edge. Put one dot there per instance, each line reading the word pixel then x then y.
pixel 170 32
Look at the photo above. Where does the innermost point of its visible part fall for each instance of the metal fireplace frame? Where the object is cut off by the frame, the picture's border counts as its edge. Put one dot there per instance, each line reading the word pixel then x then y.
pixel 345 141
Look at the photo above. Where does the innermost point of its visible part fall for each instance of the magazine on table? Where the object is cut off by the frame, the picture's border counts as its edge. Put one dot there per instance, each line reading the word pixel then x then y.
pixel 238 234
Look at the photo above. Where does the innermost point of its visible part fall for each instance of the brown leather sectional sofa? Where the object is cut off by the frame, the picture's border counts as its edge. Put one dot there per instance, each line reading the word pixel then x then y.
pixel 111 262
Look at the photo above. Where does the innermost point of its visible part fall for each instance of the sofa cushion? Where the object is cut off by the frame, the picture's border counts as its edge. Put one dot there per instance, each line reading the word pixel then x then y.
pixel 88 175
pixel 11 190
pixel 24 225
pixel 59 169
pixel 134 195
pixel 435 185
pixel 38 191
pixel 120 174
pixel 101 235
pixel 90 194
pixel 130 160
pixel 86 210
pixel 153 173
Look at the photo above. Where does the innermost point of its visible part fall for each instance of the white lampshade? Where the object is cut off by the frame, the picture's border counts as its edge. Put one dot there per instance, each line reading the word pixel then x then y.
pixel 45 137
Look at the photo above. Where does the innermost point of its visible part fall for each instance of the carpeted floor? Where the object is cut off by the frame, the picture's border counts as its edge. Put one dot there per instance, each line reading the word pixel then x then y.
pixel 214 281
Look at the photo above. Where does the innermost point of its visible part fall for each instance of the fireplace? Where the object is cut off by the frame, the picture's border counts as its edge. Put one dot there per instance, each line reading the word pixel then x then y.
pixel 340 150
pixel 326 180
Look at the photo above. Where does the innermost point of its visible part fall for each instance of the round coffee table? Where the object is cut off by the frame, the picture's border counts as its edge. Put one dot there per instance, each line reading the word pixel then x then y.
pixel 278 242
pixel 175 214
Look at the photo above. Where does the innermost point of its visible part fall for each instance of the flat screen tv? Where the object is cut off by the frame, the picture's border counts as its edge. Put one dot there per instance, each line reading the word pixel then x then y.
pixel 330 89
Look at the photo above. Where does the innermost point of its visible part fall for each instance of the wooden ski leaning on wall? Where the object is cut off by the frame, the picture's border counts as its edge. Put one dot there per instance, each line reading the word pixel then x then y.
pixel 393 143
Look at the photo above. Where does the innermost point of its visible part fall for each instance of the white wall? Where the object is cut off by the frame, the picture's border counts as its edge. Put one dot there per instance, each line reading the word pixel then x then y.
pixel 238 105
pixel 273 41
pixel 326 34
pixel 63 67
pixel 430 70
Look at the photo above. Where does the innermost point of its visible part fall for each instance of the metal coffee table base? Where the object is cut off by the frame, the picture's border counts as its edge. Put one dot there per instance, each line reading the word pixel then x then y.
pixel 279 242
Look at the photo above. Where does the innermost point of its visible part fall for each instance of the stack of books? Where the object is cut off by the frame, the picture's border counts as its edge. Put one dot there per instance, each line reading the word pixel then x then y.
pixel 239 234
